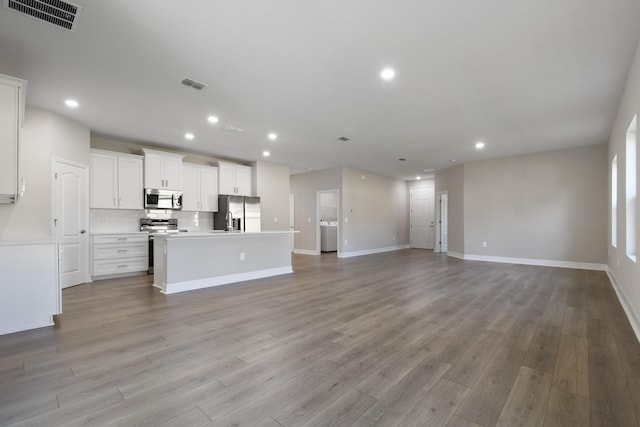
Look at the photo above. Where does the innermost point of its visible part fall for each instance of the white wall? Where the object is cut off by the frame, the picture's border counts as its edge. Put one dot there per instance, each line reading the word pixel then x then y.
pixel 543 206
pixel 625 272
pixel 375 212
pixel 271 184
pixel 45 135
pixel 305 187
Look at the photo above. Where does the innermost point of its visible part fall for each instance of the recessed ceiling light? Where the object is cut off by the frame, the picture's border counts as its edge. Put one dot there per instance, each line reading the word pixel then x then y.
pixel 189 136
pixel 72 103
pixel 266 153
pixel 479 145
pixel 387 74
pixel 452 161
pixel 418 178
pixel 212 119
pixel 272 136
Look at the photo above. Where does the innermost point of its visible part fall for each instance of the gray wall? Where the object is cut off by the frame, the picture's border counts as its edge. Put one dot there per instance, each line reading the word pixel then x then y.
pixel 375 211
pixel 625 271
pixel 305 186
pixel 45 135
pixel 271 184
pixel 451 180
pixel 545 206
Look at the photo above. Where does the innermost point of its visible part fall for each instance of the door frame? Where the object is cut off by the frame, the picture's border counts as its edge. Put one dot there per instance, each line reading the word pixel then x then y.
pixel 337 191
pixel 438 243
pixel 87 257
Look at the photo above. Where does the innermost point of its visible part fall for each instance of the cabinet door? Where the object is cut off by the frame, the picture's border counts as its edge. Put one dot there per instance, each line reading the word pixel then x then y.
pixel 130 183
pixel 153 171
pixel 104 181
pixel 190 188
pixel 209 189
pixel 227 179
pixel 243 180
pixel 9 110
pixel 173 173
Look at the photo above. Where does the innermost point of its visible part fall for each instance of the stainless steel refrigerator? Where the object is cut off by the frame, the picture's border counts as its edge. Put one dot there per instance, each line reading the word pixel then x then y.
pixel 242 213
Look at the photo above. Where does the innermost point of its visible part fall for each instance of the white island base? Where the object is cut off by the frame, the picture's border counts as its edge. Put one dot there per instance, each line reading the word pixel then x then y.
pixel 188 261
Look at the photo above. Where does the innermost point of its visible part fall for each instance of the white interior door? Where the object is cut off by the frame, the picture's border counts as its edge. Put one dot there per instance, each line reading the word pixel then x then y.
pixel 70 218
pixel 292 212
pixel 444 214
pixel 422 222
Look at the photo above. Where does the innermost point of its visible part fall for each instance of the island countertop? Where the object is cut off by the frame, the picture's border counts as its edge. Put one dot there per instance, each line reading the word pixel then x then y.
pixel 196 260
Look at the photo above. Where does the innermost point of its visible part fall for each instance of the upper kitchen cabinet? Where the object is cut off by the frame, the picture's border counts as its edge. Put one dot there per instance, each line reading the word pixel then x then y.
pixel 116 180
pixel 12 98
pixel 235 179
pixel 199 188
pixel 162 170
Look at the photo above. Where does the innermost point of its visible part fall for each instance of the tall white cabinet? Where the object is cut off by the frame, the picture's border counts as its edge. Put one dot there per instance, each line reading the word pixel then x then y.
pixel 199 188
pixel 162 170
pixel 11 115
pixel 235 179
pixel 116 180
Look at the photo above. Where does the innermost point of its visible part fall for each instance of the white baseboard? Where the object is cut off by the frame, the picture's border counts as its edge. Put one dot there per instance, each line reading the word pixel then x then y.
pixel 533 261
pixel 190 285
pixel 455 254
pixel 305 252
pixel 371 251
pixel 27 327
pixel 632 315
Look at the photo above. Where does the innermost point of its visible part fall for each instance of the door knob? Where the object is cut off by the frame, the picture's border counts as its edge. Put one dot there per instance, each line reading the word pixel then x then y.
pixel 83 231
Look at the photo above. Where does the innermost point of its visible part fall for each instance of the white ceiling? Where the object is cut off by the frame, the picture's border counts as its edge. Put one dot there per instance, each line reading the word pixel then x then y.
pixel 523 76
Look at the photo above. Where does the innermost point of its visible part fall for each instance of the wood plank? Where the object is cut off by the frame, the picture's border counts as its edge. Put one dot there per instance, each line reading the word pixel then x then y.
pixel 571 372
pixel 543 351
pixel 566 410
pixel 527 399
pixel 438 406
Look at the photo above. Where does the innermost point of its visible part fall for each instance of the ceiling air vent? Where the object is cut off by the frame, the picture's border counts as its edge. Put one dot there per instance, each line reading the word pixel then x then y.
pixel 343 138
pixel 194 84
pixel 61 14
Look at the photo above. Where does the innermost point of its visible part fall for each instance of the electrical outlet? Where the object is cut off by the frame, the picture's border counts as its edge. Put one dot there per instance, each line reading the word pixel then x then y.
pixel 241 256
pixel 345 242
pixel 346 219
pixel 275 219
pixel 393 238
pixel 484 244
pixel 309 220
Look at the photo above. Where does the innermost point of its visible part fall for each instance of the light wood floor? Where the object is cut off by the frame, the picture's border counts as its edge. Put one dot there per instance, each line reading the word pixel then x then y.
pixel 397 339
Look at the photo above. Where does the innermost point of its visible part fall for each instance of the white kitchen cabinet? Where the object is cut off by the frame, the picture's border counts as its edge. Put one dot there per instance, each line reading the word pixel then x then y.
pixel 235 179
pixel 162 170
pixel 116 180
pixel 118 254
pixel 11 116
pixel 199 188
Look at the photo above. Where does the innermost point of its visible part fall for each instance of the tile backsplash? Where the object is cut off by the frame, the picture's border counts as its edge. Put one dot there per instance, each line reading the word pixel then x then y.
pixel 128 221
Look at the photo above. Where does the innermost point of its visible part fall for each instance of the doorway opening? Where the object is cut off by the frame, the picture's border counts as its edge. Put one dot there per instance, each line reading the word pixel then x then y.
pixel 328 226
pixel 442 215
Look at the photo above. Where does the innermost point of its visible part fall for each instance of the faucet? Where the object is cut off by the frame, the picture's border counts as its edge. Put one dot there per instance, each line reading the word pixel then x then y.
pixel 229 221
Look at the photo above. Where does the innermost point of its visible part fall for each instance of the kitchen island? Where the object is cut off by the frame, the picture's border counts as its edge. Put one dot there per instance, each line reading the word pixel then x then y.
pixel 196 260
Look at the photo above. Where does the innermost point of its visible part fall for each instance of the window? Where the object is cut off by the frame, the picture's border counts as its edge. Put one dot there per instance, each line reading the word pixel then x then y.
pixel 630 188
pixel 614 201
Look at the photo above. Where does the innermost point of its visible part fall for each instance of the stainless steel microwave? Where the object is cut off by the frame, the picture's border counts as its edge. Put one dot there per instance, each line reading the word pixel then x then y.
pixel 162 199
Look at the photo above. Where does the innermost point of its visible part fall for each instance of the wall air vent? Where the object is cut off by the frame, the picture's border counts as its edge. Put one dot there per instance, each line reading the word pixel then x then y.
pixel 343 138
pixel 194 84
pixel 61 14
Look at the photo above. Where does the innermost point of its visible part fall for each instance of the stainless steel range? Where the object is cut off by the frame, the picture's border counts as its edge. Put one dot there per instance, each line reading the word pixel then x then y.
pixel 156 226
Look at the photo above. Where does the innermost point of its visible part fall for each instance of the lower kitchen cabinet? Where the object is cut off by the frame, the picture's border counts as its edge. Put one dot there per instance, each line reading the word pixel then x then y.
pixel 119 254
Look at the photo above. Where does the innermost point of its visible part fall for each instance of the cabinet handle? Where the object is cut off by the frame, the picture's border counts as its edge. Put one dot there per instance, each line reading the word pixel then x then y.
pixel 120 202
pixel 115 203
pixel 123 266
pixel 123 238
pixel 167 183
pixel 122 251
